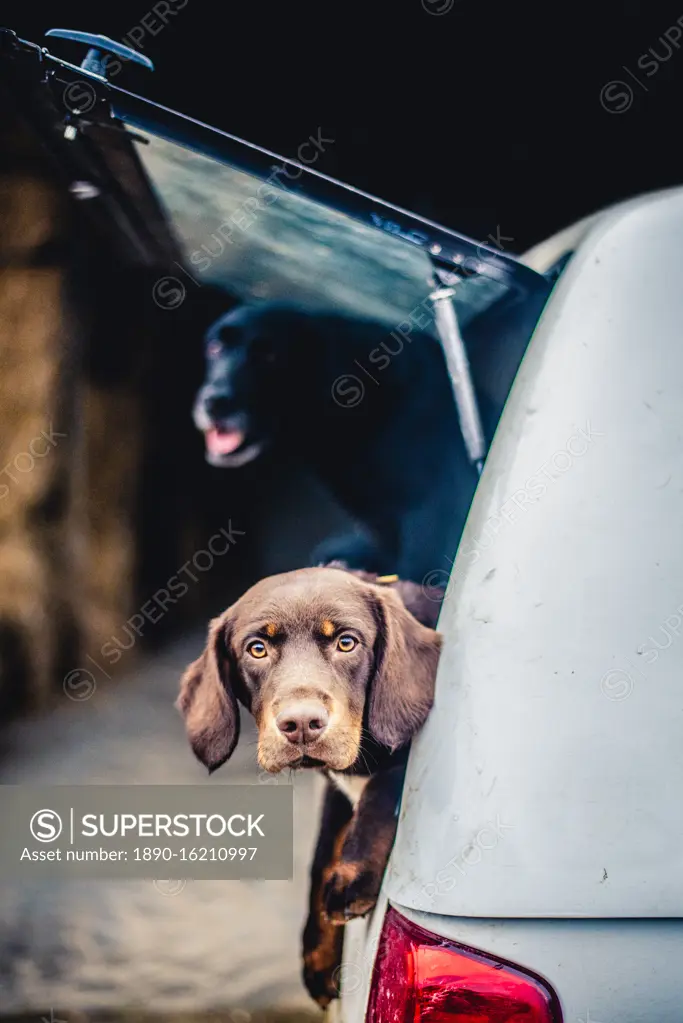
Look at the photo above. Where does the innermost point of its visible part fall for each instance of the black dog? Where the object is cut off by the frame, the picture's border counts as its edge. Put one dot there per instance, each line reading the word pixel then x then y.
pixel 369 410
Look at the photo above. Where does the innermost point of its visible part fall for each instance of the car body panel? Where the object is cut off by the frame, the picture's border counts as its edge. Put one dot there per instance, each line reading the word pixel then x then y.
pixel 548 775
pixel 541 818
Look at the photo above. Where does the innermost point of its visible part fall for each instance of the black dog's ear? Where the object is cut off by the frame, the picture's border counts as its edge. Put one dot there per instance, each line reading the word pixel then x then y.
pixel 407 655
pixel 207 701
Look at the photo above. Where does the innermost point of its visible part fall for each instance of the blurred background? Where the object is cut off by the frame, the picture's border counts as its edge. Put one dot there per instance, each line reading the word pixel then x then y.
pixel 506 124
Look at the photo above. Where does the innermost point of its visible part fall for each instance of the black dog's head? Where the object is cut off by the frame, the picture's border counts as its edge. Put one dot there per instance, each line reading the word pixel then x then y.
pixel 313 654
pixel 249 352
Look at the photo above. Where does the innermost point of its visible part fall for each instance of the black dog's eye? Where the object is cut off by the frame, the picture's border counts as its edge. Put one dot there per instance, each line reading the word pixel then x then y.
pixel 264 351
pixel 257 649
pixel 213 349
pixel 346 644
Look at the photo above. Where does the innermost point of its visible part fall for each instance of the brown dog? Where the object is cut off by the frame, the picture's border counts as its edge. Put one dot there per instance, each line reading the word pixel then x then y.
pixel 339 676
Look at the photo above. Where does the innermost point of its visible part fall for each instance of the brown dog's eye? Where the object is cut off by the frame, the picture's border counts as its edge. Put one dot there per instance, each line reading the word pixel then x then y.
pixel 346 644
pixel 257 649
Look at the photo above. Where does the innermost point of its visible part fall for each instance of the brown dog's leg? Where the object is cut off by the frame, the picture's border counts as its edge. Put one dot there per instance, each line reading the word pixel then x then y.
pixel 322 941
pixel 353 885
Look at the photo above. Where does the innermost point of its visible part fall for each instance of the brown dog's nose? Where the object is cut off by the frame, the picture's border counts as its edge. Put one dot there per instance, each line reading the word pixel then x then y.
pixel 302 722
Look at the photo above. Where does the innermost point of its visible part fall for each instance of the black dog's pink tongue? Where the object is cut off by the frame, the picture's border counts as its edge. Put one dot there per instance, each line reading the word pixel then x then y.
pixel 223 442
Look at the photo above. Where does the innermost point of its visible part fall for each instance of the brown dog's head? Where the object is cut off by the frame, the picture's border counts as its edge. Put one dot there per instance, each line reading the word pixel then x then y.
pixel 315 655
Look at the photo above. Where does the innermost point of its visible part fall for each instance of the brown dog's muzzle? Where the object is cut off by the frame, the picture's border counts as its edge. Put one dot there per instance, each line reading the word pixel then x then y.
pixel 308 730
pixel 308 715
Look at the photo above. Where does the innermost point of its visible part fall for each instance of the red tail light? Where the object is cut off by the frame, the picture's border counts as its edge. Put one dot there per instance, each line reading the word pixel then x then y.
pixel 421 978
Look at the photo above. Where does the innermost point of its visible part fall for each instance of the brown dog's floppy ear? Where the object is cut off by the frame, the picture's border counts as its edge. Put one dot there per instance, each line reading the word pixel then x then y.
pixel 402 690
pixel 207 701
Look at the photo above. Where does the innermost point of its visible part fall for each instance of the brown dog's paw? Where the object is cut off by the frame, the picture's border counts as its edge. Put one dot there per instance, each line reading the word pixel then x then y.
pixel 322 955
pixel 351 891
pixel 321 985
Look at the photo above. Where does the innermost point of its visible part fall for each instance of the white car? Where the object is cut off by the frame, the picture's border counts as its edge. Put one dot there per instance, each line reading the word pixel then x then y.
pixel 537 874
